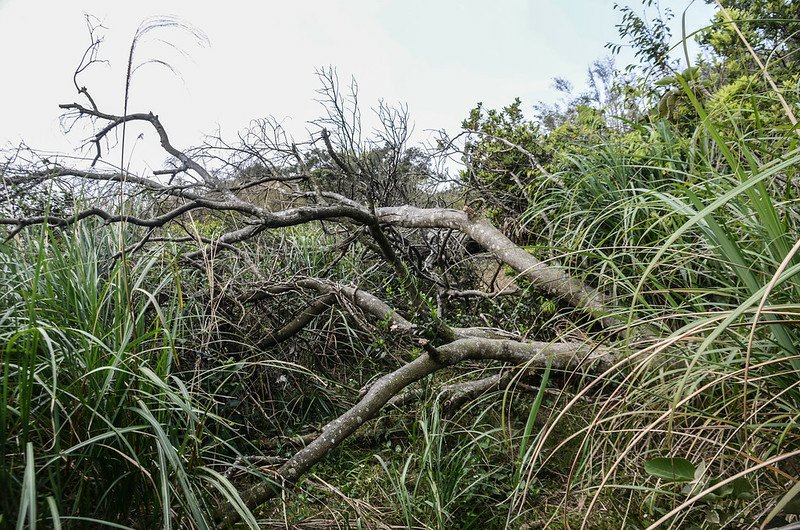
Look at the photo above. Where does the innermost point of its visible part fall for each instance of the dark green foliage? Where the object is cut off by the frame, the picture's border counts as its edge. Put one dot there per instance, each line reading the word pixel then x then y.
pixel 503 160
pixel 671 469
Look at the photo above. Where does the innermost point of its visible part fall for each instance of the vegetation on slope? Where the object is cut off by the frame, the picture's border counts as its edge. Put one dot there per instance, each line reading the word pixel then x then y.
pixel 597 330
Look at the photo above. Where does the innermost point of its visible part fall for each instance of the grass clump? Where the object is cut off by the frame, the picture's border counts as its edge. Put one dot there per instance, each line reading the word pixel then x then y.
pixel 103 420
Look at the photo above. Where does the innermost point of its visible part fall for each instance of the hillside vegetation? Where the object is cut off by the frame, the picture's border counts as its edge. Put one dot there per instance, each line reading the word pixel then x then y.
pixel 593 323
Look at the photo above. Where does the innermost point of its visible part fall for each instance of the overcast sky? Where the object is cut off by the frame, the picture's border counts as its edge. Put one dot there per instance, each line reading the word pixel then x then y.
pixel 438 56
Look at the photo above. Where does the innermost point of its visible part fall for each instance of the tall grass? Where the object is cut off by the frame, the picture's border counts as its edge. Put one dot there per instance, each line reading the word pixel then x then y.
pixel 457 473
pixel 102 420
pixel 696 237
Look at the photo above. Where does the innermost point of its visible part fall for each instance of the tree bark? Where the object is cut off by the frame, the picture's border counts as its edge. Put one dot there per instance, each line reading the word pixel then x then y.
pixel 549 279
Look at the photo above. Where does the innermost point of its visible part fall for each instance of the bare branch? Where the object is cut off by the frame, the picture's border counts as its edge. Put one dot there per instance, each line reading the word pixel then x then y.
pixel 364 300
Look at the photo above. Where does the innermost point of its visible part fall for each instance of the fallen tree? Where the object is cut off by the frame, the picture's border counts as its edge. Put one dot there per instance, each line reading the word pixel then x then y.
pixel 197 184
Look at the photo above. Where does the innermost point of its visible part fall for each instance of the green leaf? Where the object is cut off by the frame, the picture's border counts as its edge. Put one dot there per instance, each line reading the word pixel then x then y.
pixel 742 490
pixel 690 72
pixel 671 469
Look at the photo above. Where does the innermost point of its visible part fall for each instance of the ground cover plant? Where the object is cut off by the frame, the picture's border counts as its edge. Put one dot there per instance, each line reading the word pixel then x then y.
pixel 592 325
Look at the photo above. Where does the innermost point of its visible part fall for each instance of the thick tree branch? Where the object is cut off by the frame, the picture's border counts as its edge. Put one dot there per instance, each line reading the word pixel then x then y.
pixel 562 356
pixel 550 279
pixel 456 396
pixel 316 308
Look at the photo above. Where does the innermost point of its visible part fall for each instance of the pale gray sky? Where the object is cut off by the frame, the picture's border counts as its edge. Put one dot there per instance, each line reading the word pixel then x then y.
pixel 438 56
